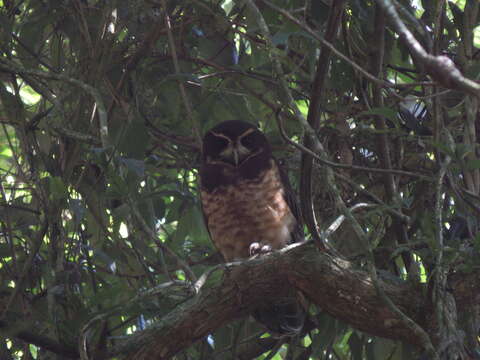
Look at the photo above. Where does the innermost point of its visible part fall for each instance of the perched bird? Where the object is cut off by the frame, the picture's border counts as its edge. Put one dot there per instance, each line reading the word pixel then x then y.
pixel 249 208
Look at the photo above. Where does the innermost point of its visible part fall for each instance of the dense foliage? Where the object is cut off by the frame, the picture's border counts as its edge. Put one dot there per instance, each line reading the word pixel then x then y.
pixel 103 106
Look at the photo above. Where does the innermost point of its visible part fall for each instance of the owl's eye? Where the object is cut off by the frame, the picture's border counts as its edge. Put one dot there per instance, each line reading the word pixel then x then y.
pixel 221 142
pixel 248 140
pixel 218 144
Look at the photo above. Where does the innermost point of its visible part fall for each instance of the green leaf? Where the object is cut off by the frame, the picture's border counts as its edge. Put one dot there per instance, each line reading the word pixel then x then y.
pixel 387 349
pixel 58 189
pixel 31 35
pixel 159 207
pixel 389 113
pixel 281 38
pixel 77 207
pixel 134 140
pixel 44 142
pixel 319 11
pixel 134 165
pixel 6 30
pixel 5 251
pixel 325 336
pixel 476 243
pixel 458 16
pixel 12 106
pixel 473 164
pixel 356 346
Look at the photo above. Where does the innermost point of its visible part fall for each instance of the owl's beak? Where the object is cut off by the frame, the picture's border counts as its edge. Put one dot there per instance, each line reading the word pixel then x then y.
pixel 232 155
pixel 235 154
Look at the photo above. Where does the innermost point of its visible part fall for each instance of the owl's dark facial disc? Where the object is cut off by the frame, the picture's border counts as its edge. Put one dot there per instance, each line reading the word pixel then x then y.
pixel 233 151
pixel 231 143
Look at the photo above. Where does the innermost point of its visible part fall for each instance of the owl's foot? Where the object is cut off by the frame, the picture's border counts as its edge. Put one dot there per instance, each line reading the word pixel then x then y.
pixel 258 249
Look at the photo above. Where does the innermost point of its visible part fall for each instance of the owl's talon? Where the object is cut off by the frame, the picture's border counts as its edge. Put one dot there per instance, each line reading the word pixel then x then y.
pixel 258 249
pixel 255 249
pixel 265 249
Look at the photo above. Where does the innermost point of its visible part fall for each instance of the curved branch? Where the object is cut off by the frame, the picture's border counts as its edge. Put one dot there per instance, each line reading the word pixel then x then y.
pixel 233 290
pixel 313 118
pixel 441 68
pixel 10 66
pixel 64 351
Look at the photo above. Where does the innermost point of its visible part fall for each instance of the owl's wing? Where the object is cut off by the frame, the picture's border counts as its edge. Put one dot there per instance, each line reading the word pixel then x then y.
pixel 205 220
pixel 285 316
pixel 292 202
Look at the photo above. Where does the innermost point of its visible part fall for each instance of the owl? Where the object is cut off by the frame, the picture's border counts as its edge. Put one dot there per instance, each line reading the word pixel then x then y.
pixel 249 208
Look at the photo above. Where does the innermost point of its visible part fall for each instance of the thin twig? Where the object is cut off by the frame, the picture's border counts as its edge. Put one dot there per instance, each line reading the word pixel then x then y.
pixel 339 220
pixel 37 243
pixel 313 118
pixel 440 273
pixel 441 68
pixel 182 264
pixel 334 50
pixel 346 166
pixel 11 66
pixel 181 86
pixel 402 217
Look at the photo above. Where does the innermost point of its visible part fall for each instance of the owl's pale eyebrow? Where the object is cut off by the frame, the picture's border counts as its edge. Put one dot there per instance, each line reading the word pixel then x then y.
pixel 221 136
pixel 249 131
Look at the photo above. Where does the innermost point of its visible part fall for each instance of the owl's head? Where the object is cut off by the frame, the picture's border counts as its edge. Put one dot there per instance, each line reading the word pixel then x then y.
pixel 233 143
pixel 233 150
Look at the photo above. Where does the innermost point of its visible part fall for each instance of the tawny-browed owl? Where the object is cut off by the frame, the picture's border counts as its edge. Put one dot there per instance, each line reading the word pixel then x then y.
pixel 249 209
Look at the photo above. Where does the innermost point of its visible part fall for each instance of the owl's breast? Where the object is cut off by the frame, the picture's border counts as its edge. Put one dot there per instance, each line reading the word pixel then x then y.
pixel 248 211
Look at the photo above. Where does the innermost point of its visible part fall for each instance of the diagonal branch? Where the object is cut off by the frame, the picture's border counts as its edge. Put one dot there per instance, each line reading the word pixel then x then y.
pixel 234 289
pixel 441 68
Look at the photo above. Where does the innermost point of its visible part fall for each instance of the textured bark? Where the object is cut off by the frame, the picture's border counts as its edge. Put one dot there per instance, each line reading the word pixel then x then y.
pixel 235 289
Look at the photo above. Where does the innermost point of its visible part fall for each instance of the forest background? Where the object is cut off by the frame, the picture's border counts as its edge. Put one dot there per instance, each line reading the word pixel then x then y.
pixel 371 107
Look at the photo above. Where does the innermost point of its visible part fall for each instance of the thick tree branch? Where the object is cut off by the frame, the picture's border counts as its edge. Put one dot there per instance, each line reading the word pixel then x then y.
pixel 32 337
pixel 234 289
pixel 439 67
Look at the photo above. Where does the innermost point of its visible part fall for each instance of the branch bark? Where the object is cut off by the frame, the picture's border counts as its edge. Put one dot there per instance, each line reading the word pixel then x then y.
pixel 441 68
pixel 233 290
